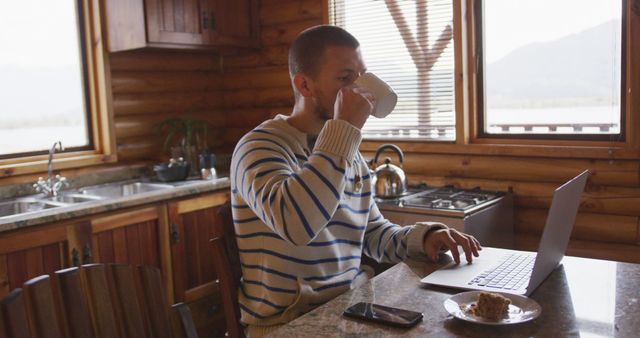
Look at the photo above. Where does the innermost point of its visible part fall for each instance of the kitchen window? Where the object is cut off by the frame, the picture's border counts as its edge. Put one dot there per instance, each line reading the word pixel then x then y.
pixel 550 69
pixel 464 101
pixel 52 85
pixel 409 44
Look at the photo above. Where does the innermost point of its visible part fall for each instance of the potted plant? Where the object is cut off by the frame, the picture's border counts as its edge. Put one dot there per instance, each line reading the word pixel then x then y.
pixel 185 137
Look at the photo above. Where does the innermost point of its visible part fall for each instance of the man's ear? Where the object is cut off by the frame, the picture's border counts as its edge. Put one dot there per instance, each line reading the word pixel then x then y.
pixel 302 84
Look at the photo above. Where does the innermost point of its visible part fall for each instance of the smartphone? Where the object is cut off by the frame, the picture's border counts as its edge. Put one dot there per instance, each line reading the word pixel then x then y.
pixel 383 314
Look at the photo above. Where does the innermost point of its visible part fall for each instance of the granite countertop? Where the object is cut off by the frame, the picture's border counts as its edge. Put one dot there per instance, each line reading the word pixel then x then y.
pixel 180 189
pixel 582 297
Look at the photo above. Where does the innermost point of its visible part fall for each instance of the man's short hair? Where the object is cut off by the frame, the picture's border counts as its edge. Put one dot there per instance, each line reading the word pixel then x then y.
pixel 305 53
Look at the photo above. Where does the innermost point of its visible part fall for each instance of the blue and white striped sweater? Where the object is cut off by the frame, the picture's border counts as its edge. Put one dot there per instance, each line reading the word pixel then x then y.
pixel 303 221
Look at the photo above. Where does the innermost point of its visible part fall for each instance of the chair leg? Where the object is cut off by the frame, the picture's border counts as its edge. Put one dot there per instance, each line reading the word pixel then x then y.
pixel 187 327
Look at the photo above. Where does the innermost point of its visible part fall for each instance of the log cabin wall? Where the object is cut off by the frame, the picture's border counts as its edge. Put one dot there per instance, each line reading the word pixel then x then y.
pixel 150 86
pixel 247 88
pixel 234 93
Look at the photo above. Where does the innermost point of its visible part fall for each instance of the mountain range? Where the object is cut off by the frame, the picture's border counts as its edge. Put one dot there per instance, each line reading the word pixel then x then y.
pixel 575 68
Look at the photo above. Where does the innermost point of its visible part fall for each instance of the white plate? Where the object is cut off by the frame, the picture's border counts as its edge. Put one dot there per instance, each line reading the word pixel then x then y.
pixel 521 309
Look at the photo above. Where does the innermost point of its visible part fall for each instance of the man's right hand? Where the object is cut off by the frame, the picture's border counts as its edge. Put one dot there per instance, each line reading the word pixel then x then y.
pixel 354 105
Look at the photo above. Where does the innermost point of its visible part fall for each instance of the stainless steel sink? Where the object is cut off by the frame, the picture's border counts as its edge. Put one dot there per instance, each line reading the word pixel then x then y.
pixel 36 203
pixel 25 205
pixel 114 190
pixel 73 198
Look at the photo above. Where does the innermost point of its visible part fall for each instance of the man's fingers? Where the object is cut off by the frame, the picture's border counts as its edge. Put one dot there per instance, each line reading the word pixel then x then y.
pixel 477 245
pixel 451 239
pixel 450 243
pixel 463 241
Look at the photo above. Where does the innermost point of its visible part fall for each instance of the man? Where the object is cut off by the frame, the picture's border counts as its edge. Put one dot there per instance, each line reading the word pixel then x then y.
pixel 301 192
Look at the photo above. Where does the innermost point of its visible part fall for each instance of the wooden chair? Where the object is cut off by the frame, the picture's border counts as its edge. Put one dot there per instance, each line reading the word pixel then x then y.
pixel 227 263
pixel 95 300
pixel 73 304
pixel 13 316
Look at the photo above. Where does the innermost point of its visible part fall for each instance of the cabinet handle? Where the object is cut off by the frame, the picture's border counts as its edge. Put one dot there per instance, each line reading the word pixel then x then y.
pixel 75 257
pixel 205 21
pixel 175 235
pixel 86 254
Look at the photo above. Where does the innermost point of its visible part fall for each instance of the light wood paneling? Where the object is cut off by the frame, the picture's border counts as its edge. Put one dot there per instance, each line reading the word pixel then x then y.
pixel 267 56
pixel 161 82
pixel 525 169
pixel 164 61
pixel 289 11
pixel 234 93
pixel 149 86
pixel 605 228
pixel 284 33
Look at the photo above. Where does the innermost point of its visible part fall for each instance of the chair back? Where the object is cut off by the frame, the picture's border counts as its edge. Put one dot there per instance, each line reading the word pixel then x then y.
pixel 95 300
pixel 41 309
pixel 14 322
pixel 226 260
pixel 73 304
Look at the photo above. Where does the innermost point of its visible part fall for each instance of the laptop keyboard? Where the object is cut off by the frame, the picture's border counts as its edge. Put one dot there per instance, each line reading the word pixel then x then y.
pixel 511 274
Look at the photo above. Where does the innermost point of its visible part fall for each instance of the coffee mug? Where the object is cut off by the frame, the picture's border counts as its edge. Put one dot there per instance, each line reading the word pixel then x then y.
pixel 386 98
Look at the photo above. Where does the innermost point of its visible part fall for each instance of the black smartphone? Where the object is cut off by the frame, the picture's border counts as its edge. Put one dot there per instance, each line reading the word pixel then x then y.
pixel 383 314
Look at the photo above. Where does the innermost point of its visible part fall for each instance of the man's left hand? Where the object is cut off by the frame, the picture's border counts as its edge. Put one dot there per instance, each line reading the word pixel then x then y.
pixel 449 238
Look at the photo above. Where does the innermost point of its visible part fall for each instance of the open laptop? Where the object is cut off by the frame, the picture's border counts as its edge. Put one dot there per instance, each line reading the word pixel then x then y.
pixel 514 271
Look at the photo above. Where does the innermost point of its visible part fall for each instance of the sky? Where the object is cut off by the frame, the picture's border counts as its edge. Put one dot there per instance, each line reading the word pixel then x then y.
pixel 511 21
pixel 30 32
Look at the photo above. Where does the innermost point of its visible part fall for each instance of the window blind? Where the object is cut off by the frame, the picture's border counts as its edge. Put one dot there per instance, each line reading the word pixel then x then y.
pixel 409 44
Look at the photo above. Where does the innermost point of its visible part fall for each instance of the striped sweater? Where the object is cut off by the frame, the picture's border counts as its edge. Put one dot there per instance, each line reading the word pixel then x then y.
pixel 303 218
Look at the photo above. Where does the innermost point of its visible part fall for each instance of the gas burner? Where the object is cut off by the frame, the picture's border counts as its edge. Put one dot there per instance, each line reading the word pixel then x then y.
pixel 449 198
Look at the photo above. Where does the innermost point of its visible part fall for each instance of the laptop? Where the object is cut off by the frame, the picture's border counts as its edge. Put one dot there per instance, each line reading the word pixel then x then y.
pixel 515 271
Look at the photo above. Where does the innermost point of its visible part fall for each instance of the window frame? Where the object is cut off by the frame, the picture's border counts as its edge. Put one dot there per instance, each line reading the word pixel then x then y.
pixel 481 97
pixel 97 99
pixel 468 137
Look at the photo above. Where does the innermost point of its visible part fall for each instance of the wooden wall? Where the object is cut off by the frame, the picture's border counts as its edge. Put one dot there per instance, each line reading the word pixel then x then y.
pixel 243 90
pixel 149 86
pixel 607 225
pixel 235 93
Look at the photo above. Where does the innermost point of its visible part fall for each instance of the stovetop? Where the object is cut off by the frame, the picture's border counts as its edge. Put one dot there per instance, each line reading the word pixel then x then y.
pixel 443 198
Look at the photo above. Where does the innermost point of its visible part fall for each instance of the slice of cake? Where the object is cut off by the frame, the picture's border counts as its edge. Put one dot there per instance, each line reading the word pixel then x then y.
pixel 492 305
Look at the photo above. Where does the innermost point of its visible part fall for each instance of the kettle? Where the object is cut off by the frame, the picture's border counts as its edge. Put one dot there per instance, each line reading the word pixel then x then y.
pixel 389 180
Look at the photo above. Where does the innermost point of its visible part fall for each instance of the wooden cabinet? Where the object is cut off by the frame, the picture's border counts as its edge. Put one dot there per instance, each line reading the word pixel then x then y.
pixel 27 254
pixel 138 237
pixel 195 24
pixel 173 236
pixel 194 278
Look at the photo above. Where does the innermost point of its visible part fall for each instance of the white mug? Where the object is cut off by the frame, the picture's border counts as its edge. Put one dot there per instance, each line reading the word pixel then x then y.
pixel 386 98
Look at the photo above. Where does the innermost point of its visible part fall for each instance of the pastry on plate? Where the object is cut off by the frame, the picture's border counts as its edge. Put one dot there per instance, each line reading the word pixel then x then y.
pixel 492 305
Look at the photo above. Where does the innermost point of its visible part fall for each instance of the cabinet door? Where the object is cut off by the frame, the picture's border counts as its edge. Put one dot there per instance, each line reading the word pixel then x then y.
pixel 28 254
pixel 179 22
pixel 235 23
pixel 136 237
pixel 192 226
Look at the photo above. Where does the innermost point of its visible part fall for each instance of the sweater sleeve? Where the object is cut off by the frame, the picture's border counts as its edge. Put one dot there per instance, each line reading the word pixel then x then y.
pixel 390 243
pixel 295 202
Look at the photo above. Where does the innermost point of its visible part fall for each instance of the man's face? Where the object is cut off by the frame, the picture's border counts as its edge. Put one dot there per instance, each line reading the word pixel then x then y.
pixel 340 67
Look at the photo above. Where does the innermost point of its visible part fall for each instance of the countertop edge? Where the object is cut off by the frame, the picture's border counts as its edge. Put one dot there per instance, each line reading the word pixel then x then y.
pixel 100 206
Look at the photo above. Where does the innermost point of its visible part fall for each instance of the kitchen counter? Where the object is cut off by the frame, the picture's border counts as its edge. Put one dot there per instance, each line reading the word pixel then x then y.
pixel 180 189
pixel 582 297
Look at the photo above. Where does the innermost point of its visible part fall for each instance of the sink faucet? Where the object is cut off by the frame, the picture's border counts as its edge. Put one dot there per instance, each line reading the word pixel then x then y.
pixel 53 184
